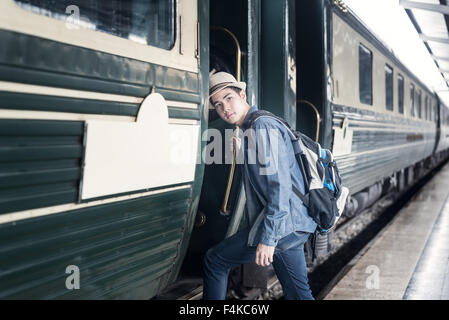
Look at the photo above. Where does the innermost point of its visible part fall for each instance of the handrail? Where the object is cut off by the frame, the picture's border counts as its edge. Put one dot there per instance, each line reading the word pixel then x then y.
pixel 238 51
pixel 238 57
pixel 318 118
pixel 224 207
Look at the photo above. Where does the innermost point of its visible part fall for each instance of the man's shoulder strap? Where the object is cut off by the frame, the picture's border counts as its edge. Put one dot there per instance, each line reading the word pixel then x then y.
pixel 263 113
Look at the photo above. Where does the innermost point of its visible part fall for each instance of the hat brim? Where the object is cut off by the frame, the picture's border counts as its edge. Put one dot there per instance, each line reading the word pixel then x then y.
pixel 239 85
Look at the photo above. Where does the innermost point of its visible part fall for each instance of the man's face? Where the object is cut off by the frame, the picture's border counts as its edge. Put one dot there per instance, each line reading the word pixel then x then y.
pixel 231 106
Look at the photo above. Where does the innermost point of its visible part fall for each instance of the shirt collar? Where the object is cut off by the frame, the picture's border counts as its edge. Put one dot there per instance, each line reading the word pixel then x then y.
pixel 245 121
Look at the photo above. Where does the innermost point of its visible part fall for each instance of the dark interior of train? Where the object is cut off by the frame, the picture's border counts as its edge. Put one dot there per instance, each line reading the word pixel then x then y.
pixel 211 225
pixel 309 68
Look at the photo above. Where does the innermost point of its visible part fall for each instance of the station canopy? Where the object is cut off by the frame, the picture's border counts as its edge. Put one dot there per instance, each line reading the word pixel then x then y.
pixel 431 20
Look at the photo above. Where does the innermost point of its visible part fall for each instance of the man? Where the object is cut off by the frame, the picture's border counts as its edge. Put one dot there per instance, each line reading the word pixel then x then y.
pixel 278 223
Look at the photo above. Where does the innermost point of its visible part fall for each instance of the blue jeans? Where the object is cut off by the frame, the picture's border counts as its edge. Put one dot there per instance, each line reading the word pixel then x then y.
pixel 289 264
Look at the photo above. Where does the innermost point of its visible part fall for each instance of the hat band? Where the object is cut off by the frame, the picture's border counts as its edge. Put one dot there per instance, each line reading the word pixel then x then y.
pixel 223 84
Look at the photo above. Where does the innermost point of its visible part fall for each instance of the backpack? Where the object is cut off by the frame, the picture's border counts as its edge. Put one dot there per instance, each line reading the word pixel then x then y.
pixel 325 197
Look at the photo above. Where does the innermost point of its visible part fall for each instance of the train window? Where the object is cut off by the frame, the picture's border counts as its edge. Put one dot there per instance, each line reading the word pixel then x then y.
pixel 401 93
pixel 425 108
pixel 429 102
pixel 412 99
pixel 435 111
pixel 419 103
pixel 150 22
pixel 430 109
pixel 388 87
pixel 365 75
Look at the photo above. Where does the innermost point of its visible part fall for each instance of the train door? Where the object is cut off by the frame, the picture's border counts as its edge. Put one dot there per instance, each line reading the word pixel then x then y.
pixel 314 83
pixel 311 69
pixel 233 46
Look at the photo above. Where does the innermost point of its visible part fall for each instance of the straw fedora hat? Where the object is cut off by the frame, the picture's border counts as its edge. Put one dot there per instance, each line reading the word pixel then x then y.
pixel 220 80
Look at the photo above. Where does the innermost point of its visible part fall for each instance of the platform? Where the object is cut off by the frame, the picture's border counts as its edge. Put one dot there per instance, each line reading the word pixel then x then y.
pixel 409 259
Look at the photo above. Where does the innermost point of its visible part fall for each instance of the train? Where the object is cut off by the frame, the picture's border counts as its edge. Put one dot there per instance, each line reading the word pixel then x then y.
pixel 104 121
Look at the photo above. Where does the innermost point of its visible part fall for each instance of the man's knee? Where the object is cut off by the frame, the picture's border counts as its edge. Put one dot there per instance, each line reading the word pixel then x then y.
pixel 209 260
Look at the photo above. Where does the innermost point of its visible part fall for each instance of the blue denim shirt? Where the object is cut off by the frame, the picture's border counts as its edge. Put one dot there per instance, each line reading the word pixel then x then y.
pixel 273 210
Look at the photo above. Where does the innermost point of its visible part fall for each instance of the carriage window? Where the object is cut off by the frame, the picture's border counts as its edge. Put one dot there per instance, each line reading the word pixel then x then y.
pixel 150 22
pixel 365 75
pixel 425 108
pixel 430 109
pixel 435 111
pixel 412 99
pixel 388 87
pixel 418 104
pixel 401 93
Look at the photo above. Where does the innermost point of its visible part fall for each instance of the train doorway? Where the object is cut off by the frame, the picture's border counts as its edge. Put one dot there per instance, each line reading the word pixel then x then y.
pixel 312 72
pixel 221 202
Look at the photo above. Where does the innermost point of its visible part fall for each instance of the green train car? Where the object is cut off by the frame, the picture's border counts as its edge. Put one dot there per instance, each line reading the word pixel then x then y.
pixel 102 113
pixel 105 126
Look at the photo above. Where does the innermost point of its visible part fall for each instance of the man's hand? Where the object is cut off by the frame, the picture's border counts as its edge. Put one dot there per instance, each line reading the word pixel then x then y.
pixel 264 255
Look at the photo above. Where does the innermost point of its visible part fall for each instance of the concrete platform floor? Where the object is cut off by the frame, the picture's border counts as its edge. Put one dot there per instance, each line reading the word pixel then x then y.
pixel 410 258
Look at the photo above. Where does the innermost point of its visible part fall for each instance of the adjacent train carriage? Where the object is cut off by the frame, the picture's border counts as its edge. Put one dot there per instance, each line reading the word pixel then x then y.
pixel 384 118
pixel 380 121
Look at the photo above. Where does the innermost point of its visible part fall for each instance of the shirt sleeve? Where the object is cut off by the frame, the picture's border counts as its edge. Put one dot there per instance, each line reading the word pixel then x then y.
pixel 271 176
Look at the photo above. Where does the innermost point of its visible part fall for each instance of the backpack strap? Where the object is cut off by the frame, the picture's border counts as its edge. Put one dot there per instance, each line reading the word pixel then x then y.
pixel 262 113
pixel 304 199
